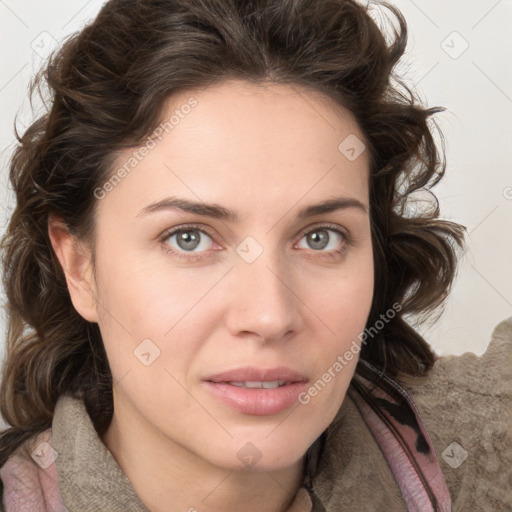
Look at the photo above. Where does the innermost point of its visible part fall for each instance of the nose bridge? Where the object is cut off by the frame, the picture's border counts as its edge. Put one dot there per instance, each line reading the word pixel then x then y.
pixel 262 301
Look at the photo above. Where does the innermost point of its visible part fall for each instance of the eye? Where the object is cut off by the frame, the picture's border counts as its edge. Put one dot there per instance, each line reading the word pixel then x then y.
pixel 325 239
pixel 187 239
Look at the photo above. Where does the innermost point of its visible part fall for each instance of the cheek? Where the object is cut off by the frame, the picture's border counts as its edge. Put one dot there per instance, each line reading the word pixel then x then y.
pixel 143 294
pixel 343 307
pixel 337 353
pixel 344 300
pixel 344 315
pixel 140 302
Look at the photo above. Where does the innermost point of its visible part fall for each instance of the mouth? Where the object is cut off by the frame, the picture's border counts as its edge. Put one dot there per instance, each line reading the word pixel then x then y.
pixel 253 376
pixel 273 384
pixel 256 391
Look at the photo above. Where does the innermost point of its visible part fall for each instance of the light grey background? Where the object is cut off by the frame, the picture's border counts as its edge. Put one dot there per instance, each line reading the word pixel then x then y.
pixel 459 57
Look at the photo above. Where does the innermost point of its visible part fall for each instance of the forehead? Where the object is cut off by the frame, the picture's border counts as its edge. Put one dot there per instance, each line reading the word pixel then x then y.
pixel 238 141
pixel 239 116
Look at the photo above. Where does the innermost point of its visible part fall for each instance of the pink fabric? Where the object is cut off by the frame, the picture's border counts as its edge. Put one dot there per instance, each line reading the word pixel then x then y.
pixel 397 427
pixel 30 480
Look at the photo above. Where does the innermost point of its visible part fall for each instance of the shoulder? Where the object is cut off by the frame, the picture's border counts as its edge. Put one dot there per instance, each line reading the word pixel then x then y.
pixel 29 477
pixel 466 405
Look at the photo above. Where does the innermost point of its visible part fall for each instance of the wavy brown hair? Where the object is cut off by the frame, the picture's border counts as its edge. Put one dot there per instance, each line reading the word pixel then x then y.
pixel 107 86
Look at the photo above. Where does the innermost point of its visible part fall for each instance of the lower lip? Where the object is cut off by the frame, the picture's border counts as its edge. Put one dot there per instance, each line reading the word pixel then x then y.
pixel 257 401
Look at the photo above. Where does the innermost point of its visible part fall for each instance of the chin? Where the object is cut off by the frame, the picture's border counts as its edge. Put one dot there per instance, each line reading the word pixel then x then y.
pixel 264 452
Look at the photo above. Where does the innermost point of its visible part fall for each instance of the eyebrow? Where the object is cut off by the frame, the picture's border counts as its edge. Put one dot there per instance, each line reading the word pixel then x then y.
pixel 219 212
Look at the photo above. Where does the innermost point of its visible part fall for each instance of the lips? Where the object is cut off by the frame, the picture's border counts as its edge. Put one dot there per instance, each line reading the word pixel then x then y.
pixel 251 374
pixel 257 391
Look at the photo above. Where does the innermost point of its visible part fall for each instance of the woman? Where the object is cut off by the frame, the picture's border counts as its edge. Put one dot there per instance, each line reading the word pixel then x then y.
pixel 210 263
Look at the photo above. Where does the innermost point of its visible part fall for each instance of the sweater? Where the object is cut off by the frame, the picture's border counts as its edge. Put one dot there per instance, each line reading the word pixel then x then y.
pixel 465 403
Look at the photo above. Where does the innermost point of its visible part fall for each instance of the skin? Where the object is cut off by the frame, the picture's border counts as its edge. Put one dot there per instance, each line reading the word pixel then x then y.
pixel 265 153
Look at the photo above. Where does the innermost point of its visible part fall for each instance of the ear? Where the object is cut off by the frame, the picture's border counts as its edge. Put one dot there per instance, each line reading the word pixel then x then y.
pixel 76 262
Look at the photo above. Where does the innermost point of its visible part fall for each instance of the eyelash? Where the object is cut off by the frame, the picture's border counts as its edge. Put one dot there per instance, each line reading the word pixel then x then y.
pixel 333 254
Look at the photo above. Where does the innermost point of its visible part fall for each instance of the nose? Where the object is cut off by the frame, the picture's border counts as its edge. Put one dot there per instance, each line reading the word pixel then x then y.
pixel 263 302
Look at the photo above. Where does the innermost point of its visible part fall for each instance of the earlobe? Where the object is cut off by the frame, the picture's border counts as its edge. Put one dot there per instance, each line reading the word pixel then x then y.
pixel 76 262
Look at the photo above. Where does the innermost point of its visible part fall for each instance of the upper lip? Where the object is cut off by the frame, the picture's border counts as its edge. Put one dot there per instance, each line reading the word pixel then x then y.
pixel 252 374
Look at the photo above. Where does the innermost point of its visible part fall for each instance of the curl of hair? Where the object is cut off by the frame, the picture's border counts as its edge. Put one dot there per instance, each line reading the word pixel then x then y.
pixel 108 85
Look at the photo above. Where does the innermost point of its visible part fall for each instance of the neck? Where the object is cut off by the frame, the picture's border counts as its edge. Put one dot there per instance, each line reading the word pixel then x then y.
pixel 165 474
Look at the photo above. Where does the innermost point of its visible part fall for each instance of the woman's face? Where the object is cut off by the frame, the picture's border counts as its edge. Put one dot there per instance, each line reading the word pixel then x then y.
pixel 261 283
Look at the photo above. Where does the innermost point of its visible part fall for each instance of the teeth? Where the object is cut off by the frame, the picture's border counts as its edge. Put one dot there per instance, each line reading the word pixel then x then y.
pixel 258 384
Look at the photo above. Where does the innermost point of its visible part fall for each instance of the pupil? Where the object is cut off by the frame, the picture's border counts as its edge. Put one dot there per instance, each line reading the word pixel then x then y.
pixel 318 239
pixel 188 241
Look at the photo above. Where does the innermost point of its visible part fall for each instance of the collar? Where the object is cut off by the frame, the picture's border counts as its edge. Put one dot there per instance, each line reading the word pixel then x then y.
pixel 89 476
